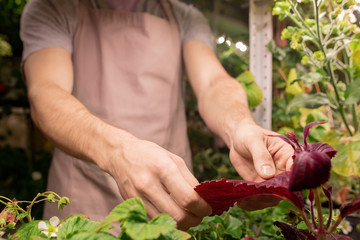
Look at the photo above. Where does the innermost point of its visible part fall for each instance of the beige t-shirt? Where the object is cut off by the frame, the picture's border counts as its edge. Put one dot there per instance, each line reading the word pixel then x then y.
pixel 52 23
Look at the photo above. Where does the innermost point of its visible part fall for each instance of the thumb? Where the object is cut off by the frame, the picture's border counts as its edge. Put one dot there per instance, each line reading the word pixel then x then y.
pixel 263 161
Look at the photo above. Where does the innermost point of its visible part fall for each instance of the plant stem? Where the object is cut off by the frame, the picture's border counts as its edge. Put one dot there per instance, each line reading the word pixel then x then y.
pixel 307 222
pixel 319 210
pixel 328 69
pixel 7 199
pixel 312 215
pixel 300 23
pixel 339 106
pixel 350 79
pixel 226 215
pixel 4 203
pixel 319 35
pixel 218 234
pixel 336 223
pixel 330 212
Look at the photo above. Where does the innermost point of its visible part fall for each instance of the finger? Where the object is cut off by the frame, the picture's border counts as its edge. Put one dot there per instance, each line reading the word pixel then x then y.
pixel 184 193
pixel 150 208
pixel 263 161
pixel 128 191
pixel 185 172
pixel 244 168
pixel 289 164
pixel 163 202
pixel 281 152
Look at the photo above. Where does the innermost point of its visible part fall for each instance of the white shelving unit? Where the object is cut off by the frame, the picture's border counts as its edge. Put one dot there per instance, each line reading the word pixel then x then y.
pixel 261 32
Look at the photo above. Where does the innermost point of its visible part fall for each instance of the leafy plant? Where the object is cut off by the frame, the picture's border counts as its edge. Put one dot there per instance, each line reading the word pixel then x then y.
pixel 237 223
pixel 131 215
pixel 324 34
pixel 311 170
pixel 14 212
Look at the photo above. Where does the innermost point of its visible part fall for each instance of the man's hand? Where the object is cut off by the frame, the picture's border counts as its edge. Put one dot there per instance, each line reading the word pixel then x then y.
pixel 257 156
pixel 222 103
pixel 144 169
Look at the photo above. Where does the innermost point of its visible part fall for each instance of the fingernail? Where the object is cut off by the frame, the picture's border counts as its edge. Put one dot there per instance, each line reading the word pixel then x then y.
pixel 268 170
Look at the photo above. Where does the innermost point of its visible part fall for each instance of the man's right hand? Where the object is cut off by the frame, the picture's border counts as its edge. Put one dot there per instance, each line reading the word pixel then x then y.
pixel 161 179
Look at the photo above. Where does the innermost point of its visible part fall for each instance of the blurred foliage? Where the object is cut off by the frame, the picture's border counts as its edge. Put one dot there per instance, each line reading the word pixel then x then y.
pixel 237 223
pixel 13 91
pixel 228 19
pixel 23 171
pixel 309 85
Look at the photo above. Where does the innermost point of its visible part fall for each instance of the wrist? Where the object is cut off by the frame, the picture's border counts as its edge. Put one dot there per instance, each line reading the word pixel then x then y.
pixel 236 126
pixel 111 148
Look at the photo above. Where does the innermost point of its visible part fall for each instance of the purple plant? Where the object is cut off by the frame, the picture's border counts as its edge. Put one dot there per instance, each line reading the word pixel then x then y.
pixel 312 162
pixel 310 170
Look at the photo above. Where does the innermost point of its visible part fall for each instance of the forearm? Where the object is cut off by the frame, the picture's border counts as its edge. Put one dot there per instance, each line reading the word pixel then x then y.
pixel 223 106
pixel 221 99
pixel 70 126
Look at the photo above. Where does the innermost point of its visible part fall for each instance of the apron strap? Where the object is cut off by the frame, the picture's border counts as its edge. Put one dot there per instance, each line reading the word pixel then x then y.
pixel 168 11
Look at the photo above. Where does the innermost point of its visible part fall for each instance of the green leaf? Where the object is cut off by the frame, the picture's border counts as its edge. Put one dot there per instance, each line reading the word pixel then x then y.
pixel 22 215
pixel 164 220
pixel 253 91
pixel 75 224
pixel 356 58
pixel 203 226
pixel 38 238
pixel 129 209
pixel 5 48
pixel 233 227
pixel 246 77
pixel 254 94
pixel 293 88
pixel 311 101
pixel 28 230
pixel 63 202
pixel 352 92
pixel 311 78
pixel 177 235
pixel 276 51
pixel 160 225
pixel 347 161
pixel 92 236
pixel 141 231
pixel 355 43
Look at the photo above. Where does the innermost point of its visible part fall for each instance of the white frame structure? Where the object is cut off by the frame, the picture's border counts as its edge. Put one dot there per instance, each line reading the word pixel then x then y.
pixel 261 32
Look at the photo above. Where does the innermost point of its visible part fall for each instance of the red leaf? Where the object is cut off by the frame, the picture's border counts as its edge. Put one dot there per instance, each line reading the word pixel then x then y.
pixel 307 129
pixel 322 147
pixel 351 207
pixel 222 194
pixel 292 233
pixel 310 170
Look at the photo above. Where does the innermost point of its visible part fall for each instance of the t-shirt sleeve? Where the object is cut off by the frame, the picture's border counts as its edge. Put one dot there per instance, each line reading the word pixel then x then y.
pixel 192 24
pixel 47 23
